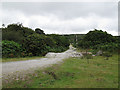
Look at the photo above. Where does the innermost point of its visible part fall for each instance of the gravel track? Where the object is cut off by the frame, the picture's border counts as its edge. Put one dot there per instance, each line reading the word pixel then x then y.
pixel 50 58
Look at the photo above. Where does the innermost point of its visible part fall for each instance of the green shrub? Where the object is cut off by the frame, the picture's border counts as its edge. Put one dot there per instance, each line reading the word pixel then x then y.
pixel 60 41
pixel 56 49
pixel 35 44
pixel 16 33
pixel 99 40
pixel 30 54
pixel 11 49
pixel 110 47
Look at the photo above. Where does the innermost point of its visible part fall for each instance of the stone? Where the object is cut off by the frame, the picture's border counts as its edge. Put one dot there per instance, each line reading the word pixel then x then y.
pixel 99 53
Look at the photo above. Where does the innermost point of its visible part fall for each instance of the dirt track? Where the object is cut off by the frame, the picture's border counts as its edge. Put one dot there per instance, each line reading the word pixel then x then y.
pixel 50 58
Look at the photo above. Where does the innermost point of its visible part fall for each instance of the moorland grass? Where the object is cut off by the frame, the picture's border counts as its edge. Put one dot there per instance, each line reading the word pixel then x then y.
pixel 73 73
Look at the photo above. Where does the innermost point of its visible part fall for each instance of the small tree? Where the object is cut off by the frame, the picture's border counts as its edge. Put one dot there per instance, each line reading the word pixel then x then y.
pixel 35 44
pixel 39 31
pixel 98 37
pixel 3 25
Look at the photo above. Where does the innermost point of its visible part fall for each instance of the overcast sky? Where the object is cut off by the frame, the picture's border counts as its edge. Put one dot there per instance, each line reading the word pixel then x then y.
pixel 63 17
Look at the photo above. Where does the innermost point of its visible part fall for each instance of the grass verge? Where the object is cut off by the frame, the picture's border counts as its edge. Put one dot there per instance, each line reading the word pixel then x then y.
pixel 73 73
pixel 20 59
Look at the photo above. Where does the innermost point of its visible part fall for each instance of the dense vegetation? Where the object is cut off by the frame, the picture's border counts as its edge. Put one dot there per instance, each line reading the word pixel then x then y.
pixel 37 43
pixel 20 41
pixel 99 40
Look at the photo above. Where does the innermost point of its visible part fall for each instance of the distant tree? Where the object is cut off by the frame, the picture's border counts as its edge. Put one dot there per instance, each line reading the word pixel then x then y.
pixel 39 31
pixel 14 27
pixel 60 40
pixel 3 25
pixel 16 32
pixel 99 40
pixel 97 37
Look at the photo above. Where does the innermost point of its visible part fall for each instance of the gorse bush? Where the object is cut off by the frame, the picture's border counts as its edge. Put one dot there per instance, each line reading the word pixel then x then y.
pixel 16 33
pixel 27 42
pixel 97 37
pixel 59 43
pixel 12 36
pixel 35 44
pixel 56 49
pixel 111 47
pixel 39 45
pixel 23 41
pixel 11 49
pixel 99 40
pixel 60 40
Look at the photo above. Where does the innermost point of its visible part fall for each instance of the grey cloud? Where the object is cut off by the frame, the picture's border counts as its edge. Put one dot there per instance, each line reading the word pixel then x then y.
pixel 63 17
pixel 64 9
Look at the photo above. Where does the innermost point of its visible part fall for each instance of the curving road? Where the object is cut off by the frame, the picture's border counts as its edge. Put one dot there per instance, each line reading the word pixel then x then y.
pixel 50 58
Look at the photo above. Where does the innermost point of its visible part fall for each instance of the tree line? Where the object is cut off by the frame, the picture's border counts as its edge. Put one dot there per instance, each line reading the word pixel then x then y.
pixel 99 40
pixel 20 41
